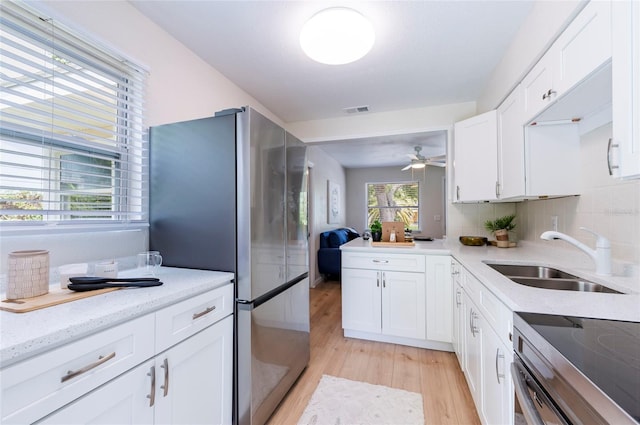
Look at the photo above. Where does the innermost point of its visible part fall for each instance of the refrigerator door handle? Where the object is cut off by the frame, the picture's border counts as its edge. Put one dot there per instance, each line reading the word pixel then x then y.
pixel 251 304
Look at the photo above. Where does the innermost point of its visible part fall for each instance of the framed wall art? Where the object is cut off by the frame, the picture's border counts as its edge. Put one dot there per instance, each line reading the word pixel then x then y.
pixel 333 202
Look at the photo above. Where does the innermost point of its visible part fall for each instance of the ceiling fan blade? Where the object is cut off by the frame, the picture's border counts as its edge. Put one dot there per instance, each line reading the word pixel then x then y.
pixel 407 167
pixel 437 157
pixel 437 164
pixel 412 156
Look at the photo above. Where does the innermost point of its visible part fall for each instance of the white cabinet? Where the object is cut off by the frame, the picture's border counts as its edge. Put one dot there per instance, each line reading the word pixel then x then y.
pixel 582 49
pixel 485 327
pixel 397 298
pixel 439 306
pixel 187 384
pixel 511 153
pixel 171 366
pixel 384 302
pixel 475 158
pixel 457 275
pixel 624 149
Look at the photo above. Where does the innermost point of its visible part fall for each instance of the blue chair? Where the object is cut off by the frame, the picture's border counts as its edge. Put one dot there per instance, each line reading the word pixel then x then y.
pixel 329 259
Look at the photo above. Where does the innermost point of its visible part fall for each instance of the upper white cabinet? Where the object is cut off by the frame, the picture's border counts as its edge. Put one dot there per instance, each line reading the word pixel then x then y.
pixel 511 155
pixel 475 158
pixel 624 149
pixel 565 76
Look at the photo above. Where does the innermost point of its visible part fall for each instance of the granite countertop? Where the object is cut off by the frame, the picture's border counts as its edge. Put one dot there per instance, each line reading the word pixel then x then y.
pixel 518 297
pixel 27 334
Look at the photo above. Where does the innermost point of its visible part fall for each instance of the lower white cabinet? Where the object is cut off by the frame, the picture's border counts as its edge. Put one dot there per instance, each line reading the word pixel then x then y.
pixel 457 337
pixel 397 298
pixel 486 354
pixel 190 383
pixel 384 302
pixel 170 366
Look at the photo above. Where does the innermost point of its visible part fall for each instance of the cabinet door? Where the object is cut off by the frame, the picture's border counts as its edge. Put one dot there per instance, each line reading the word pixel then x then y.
pixel 403 304
pixel 537 88
pixel 458 322
pixel 476 158
pixel 473 350
pixel 497 400
pixel 194 379
pixel 361 303
pixel 624 152
pixel 583 47
pixel 439 307
pixel 511 169
pixel 124 400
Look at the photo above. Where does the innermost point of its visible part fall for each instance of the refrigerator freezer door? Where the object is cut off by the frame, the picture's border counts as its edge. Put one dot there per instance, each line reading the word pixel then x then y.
pixel 261 185
pixel 192 190
pixel 273 354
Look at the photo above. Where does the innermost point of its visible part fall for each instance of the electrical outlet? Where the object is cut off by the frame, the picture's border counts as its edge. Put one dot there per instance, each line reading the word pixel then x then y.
pixel 436 217
pixel 554 223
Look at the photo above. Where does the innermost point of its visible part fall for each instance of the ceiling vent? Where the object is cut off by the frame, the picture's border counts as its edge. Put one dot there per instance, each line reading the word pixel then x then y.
pixel 356 109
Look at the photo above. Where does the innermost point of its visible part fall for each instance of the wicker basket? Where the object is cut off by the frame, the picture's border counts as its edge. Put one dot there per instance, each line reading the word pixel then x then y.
pixel 28 274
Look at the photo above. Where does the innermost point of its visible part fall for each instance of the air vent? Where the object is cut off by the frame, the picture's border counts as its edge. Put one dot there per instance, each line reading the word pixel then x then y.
pixel 356 109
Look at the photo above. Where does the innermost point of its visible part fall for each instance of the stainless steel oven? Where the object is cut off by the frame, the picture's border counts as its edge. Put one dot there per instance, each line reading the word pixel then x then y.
pixel 572 370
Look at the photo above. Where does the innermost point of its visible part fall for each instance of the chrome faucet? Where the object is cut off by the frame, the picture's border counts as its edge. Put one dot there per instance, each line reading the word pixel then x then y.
pixel 601 255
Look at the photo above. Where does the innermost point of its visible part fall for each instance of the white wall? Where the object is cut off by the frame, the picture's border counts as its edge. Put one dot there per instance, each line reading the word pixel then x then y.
pixel 180 87
pixel 431 195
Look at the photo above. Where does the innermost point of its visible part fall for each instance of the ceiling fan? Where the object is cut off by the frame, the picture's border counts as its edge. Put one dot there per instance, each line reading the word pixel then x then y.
pixel 419 161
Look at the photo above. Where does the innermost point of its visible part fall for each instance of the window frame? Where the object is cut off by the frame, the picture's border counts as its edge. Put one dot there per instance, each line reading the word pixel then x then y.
pixel 417 207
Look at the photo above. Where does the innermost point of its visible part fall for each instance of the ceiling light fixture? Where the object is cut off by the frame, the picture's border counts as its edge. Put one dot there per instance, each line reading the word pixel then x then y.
pixel 337 36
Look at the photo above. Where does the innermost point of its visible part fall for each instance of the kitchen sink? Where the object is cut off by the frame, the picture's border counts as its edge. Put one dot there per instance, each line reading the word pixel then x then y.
pixel 548 278
pixel 531 271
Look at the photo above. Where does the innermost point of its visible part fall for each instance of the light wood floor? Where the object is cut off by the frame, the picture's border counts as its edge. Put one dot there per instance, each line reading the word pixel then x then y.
pixel 434 374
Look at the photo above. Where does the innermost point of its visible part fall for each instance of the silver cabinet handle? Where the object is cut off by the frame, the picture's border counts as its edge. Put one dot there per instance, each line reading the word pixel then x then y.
pixel 548 94
pixel 384 280
pixel 611 145
pixel 457 192
pixel 499 356
pixel 458 297
pixel 381 261
pixel 472 323
pixel 152 394
pixel 378 280
pixel 497 189
pixel 204 312
pixel 165 386
pixel 73 373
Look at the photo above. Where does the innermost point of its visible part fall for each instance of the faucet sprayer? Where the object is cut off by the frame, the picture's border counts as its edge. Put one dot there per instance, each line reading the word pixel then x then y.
pixel 601 255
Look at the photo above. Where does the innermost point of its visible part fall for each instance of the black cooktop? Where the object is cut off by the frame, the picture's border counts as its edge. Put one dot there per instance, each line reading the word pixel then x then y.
pixel 605 351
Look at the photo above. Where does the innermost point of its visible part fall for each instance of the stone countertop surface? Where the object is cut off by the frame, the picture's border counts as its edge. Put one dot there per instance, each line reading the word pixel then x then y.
pixel 523 298
pixel 23 335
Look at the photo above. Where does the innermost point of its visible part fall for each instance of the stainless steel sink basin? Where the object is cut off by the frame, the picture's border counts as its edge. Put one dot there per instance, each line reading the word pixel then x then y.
pixel 531 271
pixel 548 278
pixel 563 284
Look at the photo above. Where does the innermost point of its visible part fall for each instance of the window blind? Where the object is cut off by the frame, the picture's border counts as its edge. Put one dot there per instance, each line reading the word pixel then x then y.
pixel 73 147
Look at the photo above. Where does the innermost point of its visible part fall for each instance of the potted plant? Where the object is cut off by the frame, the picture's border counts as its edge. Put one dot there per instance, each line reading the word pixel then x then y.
pixel 376 230
pixel 500 227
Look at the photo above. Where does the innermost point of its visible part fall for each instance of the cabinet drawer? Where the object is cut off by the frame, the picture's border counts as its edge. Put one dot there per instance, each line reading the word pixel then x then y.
pixel 383 261
pixel 180 321
pixel 40 385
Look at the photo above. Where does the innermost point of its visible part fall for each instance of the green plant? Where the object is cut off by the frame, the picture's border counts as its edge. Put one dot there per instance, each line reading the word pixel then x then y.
pixel 376 226
pixel 500 223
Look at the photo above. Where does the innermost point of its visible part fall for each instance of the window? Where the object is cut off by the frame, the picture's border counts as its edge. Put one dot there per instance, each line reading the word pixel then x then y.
pixel 394 202
pixel 71 127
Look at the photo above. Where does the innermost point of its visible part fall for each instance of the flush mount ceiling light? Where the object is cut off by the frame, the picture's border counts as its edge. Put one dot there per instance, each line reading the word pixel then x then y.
pixel 337 36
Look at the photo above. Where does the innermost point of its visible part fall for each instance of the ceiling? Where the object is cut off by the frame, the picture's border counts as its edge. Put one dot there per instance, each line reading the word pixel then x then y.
pixel 426 53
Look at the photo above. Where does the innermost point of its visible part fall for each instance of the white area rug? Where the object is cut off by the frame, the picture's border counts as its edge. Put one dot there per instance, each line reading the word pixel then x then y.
pixel 338 401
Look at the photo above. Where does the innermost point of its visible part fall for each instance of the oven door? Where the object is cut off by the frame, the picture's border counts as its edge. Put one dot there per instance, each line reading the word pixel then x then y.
pixel 532 405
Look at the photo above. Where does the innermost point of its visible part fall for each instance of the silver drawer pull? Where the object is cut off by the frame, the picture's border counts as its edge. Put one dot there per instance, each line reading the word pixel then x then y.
pixel 152 394
pixel 73 373
pixel 202 313
pixel 165 387
pixel 381 261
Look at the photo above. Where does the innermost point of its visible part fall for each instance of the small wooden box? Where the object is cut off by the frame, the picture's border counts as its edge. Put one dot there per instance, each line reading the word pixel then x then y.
pixel 389 226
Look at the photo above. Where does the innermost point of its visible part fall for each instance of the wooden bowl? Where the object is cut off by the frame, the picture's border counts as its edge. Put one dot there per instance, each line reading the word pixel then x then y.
pixel 473 240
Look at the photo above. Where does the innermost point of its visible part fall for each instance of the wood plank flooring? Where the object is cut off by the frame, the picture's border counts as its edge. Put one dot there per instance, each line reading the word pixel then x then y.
pixel 434 374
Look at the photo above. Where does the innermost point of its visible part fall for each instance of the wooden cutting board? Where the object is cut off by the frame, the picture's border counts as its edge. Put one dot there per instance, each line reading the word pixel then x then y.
pixel 393 244
pixel 54 297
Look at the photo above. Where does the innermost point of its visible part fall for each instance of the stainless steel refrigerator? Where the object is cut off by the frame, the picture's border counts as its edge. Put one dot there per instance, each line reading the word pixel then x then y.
pixel 229 193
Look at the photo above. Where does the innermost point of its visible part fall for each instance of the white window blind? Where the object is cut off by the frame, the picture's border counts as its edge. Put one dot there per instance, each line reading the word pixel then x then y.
pixel 72 149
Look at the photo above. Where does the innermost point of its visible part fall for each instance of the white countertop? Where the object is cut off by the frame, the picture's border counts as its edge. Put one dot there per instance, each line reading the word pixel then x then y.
pixel 23 335
pixel 524 298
